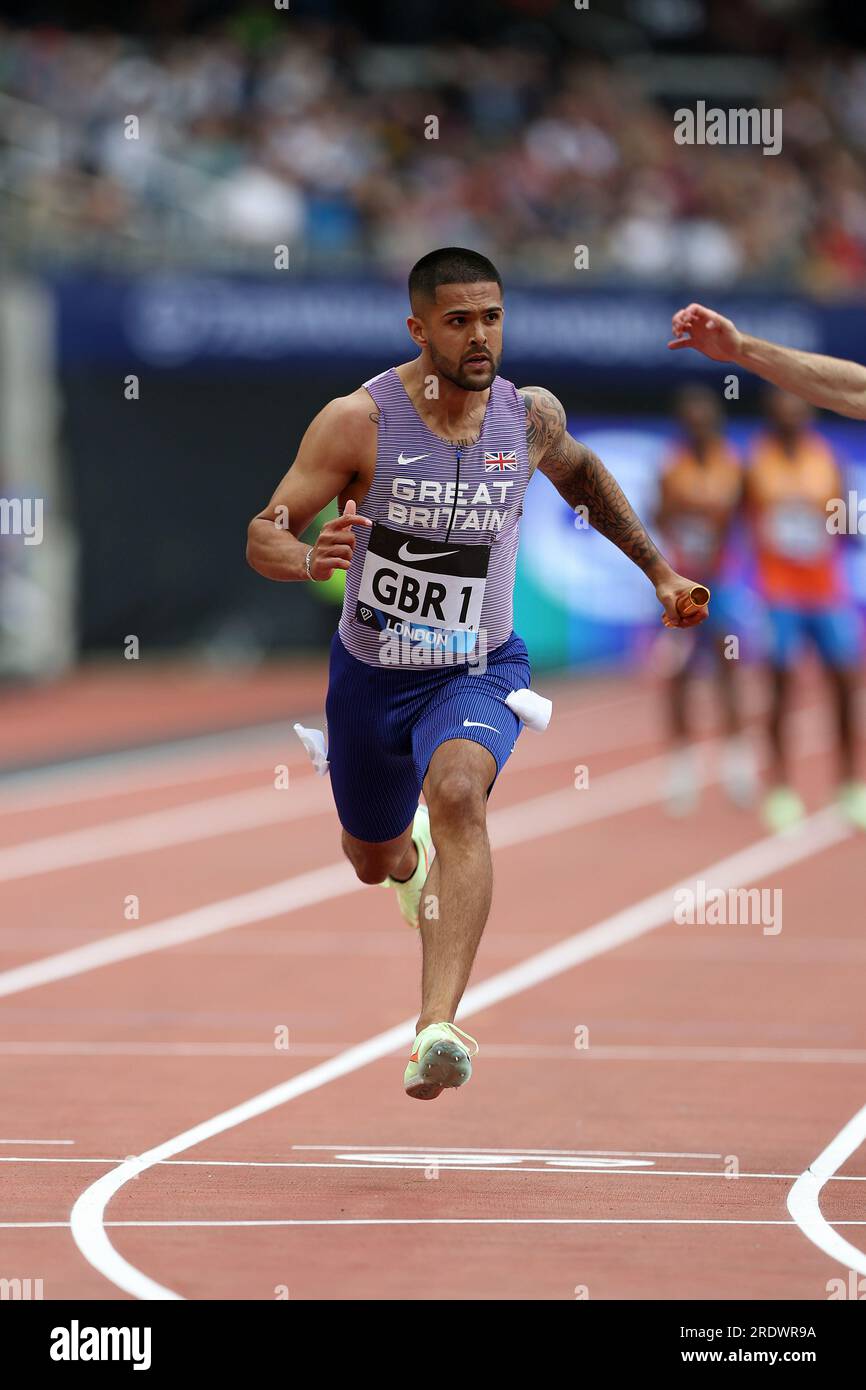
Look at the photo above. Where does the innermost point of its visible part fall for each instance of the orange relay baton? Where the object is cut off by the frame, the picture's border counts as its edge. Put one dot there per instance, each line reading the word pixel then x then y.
pixel 697 597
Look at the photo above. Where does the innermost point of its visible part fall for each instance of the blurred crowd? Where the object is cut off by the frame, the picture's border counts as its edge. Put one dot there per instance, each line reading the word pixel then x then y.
pixel 316 138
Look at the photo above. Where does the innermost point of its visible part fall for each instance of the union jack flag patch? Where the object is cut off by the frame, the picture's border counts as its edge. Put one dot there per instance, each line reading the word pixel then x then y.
pixel 503 461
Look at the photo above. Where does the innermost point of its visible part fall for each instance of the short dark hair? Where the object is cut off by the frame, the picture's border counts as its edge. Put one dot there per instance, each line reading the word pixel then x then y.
pixel 450 265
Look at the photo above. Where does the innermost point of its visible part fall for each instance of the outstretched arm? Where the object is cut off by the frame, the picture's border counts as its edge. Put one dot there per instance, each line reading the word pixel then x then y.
pixel 582 479
pixel 828 382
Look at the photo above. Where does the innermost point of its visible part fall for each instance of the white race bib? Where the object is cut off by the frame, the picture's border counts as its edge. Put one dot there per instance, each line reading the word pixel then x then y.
pixel 797 530
pixel 427 592
pixel 695 539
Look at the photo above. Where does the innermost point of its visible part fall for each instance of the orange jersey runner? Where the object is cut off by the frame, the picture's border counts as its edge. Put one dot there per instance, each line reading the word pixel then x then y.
pixel 787 491
pixel 699 498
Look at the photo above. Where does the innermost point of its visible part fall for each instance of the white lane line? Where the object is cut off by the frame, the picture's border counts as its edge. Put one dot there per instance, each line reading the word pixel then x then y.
pixel 608 737
pixel 626 789
pixel 305 890
pixel 803 1199
pixel 754 862
pixel 628 1052
pixel 468 1149
pixel 21 1158
pixel 486 1221
pixel 49 789
pixel 192 759
pixel 193 821
pixel 306 796
pixel 584 1168
pixel 510 1052
pixel 133 769
pixel 167 1049
pixel 636 785
pixel 630 787
pixel 37 1141
pixel 434 1221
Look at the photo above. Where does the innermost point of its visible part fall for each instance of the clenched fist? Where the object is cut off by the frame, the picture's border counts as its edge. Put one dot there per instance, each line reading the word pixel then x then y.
pixel 680 611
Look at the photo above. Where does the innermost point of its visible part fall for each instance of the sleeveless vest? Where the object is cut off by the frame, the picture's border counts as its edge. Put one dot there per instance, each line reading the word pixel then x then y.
pixel 433 578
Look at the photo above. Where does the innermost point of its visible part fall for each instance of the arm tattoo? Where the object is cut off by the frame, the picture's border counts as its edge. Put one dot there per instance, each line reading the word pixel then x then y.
pixel 582 479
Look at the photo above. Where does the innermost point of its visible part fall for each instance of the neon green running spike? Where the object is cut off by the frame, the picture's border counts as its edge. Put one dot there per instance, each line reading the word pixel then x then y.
pixel 782 809
pixel 851 800
pixel 441 1057
pixel 409 893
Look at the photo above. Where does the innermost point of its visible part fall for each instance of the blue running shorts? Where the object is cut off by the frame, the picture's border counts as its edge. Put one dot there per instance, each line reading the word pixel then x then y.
pixel 385 723
pixel 834 631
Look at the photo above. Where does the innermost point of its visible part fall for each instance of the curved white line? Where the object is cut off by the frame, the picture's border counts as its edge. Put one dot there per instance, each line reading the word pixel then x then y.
pixel 803 1198
pixel 87 1216
pixel 763 856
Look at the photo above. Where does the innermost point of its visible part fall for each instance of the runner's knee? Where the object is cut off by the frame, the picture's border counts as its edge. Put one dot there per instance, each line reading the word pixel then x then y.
pixel 455 800
pixel 372 863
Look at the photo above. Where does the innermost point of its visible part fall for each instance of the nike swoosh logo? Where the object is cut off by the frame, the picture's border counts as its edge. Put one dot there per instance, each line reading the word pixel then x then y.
pixel 404 553
pixel 474 724
pixel 413 459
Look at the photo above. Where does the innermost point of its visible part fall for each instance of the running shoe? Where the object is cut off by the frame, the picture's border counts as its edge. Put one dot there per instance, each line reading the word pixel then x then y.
pixel 441 1057
pixel 739 772
pixel 409 893
pixel 681 786
pixel 851 800
pixel 782 809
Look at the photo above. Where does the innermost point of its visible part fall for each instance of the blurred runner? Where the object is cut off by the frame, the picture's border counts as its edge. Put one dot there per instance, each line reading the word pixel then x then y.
pixel 793 478
pixel 701 491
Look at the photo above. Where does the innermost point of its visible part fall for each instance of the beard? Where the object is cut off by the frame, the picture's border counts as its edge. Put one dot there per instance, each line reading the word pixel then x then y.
pixel 467 378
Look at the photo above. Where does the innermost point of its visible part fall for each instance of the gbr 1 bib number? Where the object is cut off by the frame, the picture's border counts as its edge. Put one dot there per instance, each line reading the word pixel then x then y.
pixel 406 579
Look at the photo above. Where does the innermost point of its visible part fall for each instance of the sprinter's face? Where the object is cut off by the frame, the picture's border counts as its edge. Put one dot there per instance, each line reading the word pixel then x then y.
pixel 462 330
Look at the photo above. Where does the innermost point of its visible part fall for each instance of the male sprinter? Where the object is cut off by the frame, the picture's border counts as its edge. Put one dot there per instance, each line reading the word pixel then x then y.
pixel 792 480
pixel 430 461
pixel 700 494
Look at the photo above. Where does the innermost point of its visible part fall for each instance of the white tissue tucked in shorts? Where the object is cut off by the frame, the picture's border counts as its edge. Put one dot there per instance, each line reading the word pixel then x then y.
pixel 314 742
pixel 532 710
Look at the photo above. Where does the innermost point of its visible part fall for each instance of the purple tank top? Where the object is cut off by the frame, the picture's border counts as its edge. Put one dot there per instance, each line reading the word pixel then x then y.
pixel 433 579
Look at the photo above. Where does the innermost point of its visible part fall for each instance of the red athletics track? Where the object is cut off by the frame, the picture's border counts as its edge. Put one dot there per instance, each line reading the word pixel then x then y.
pixel 603 1169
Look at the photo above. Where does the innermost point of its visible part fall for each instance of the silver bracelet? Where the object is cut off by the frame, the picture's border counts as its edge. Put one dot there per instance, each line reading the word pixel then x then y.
pixel 307 562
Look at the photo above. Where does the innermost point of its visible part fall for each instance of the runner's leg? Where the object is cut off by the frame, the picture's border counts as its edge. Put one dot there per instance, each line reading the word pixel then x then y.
pixel 728 686
pixel 836 633
pixel 374 862
pixel 455 902
pixel 843 684
pixel 781 691
pixel 785 644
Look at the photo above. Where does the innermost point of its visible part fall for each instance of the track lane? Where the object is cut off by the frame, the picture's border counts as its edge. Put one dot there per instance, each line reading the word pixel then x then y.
pixel 314 978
